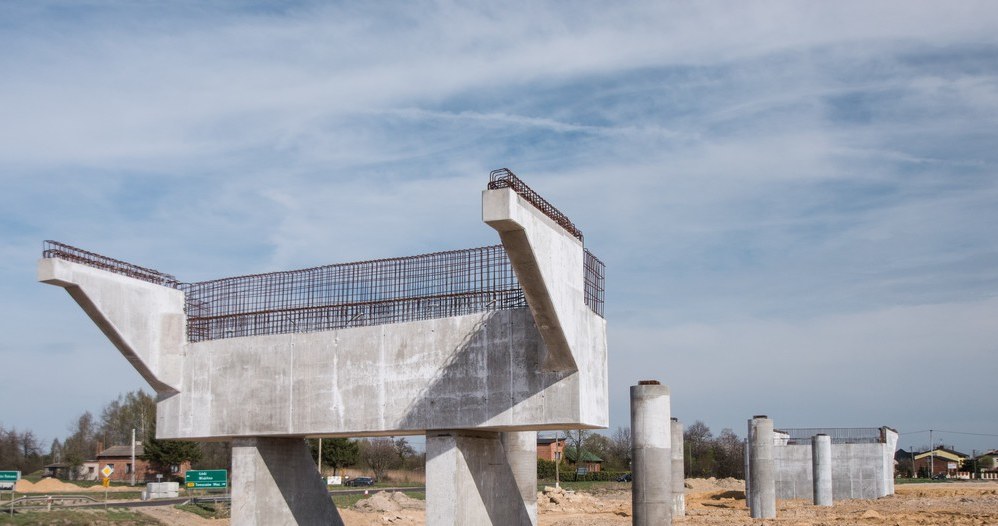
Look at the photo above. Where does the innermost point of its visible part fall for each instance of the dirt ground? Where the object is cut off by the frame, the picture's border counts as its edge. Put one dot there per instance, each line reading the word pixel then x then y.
pixel 722 502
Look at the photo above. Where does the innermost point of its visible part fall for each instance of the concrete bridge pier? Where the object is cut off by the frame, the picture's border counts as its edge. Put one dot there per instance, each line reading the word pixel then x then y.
pixel 821 469
pixel 678 474
pixel 521 453
pixel 651 454
pixel 470 479
pixel 761 483
pixel 274 481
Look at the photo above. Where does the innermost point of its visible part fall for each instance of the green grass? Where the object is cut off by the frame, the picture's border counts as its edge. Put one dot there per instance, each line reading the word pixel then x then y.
pixel 206 510
pixel 116 516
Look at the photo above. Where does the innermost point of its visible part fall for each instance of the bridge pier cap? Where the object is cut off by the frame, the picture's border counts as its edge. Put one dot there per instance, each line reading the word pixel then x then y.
pixel 505 338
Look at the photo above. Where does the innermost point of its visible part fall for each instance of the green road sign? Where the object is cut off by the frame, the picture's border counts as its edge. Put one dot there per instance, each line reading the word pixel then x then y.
pixel 8 479
pixel 207 478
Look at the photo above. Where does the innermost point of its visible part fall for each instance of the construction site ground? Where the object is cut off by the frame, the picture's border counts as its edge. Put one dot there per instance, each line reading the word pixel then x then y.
pixel 709 502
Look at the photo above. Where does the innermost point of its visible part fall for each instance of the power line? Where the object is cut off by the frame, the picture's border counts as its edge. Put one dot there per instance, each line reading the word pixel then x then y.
pixel 951 432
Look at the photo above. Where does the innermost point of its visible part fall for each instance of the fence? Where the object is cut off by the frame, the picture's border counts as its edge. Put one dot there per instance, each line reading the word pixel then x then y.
pixel 358 294
pixel 839 435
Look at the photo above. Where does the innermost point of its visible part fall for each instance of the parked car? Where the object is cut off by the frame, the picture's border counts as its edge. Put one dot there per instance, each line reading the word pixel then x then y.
pixel 624 478
pixel 360 481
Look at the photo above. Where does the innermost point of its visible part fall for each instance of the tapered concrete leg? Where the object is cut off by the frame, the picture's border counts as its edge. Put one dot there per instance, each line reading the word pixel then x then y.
pixel 274 481
pixel 762 476
pixel 521 453
pixel 469 481
pixel 821 473
pixel 651 455
pixel 678 478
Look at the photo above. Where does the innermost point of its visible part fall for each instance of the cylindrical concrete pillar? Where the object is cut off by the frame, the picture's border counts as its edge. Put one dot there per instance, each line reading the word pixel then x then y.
pixel 651 454
pixel 521 453
pixel 762 476
pixel 678 479
pixel 821 473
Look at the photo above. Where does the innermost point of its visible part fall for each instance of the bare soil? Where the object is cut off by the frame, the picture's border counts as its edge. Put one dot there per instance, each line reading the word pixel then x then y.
pixel 722 502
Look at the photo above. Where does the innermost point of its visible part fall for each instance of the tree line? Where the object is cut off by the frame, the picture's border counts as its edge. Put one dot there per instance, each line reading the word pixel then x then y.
pixel 704 454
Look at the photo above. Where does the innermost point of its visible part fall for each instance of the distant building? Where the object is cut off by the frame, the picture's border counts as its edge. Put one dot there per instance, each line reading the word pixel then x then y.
pixel 939 461
pixel 591 462
pixel 550 448
pixel 120 460
pixel 988 461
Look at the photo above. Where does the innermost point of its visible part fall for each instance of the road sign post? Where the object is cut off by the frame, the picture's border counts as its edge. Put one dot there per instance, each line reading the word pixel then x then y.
pixel 107 471
pixel 10 478
pixel 206 478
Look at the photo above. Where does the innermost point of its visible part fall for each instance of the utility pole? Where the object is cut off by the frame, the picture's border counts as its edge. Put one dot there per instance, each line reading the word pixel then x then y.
pixel 133 456
pixel 320 458
pixel 932 457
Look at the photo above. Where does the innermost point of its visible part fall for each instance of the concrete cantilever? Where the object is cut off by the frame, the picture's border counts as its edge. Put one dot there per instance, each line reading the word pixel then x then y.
pixel 548 262
pixel 146 322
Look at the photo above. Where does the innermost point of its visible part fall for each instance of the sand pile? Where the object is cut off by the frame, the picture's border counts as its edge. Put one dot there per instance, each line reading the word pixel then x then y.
pixel 51 485
pixel 712 484
pixel 391 502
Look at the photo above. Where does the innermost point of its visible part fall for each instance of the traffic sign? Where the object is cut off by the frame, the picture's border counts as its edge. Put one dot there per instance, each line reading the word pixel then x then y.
pixel 107 471
pixel 8 479
pixel 207 478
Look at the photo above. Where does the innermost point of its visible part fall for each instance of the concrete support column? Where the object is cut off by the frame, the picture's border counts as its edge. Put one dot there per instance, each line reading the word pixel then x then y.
pixel 678 477
pixel 651 454
pixel 521 453
pixel 274 481
pixel 821 472
pixel 762 476
pixel 469 481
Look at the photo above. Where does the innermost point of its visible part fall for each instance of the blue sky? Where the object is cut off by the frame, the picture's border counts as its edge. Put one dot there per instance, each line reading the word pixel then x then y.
pixel 796 201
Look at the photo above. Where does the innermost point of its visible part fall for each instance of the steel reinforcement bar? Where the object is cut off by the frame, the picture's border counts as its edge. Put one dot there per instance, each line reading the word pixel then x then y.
pixel 54 249
pixel 504 178
pixel 839 435
pixel 354 294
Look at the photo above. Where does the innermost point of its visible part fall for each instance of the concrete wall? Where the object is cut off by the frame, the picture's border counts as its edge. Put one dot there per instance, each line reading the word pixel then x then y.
pixel 859 471
pixel 475 371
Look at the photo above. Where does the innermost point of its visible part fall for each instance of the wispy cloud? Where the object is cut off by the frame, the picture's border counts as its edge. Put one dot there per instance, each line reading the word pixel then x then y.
pixel 773 173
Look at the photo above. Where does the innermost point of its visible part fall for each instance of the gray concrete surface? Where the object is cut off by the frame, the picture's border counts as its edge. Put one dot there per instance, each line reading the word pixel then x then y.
pixel 274 482
pixel 521 453
pixel 470 481
pixel 541 368
pixel 821 469
pixel 859 471
pixel 678 475
pixel 651 455
pixel 762 485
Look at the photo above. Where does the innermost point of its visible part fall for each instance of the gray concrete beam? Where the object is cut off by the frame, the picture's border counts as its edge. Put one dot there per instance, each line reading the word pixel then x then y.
pixel 144 321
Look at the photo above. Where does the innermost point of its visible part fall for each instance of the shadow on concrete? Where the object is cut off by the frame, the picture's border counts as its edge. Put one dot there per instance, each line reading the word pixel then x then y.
pixel 288 460
pixel 495 367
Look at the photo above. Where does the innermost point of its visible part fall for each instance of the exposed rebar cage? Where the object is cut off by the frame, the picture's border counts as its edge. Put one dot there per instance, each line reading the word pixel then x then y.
pixel 358 294
pixel 839 435
pixel 365 293
pixel 504 178
pixel 54 249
